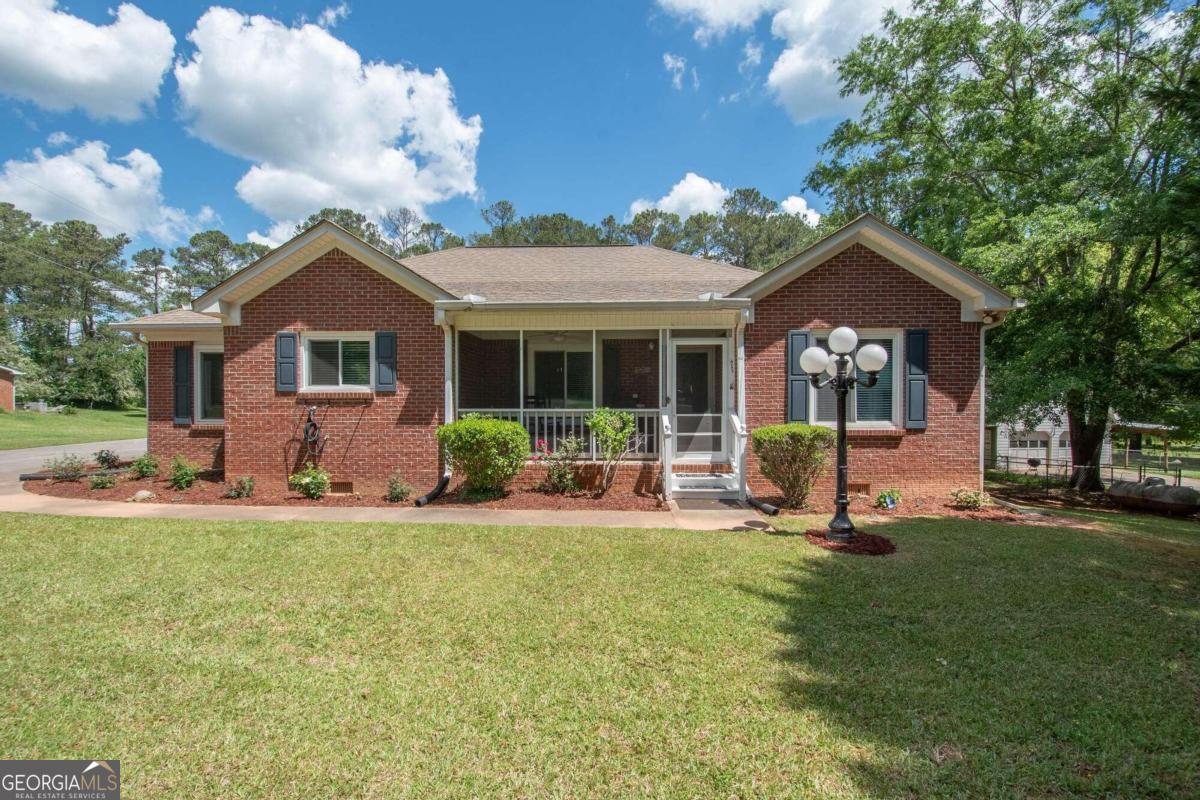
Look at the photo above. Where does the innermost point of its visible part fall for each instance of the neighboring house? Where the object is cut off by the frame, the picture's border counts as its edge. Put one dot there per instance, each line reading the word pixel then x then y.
pixel 8 388
pixel 386 350
pixel 1049 442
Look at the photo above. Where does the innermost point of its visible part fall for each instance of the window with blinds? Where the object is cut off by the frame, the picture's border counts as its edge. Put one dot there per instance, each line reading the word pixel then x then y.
pixel 339 363
pixel 864 404
pixel 874 403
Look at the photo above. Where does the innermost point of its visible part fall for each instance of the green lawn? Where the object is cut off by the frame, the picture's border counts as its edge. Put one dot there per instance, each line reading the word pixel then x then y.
pixel 371 660
pixel 31 429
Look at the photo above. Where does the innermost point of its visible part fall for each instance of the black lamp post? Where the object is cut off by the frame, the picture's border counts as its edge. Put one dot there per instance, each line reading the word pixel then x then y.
pixel 840 367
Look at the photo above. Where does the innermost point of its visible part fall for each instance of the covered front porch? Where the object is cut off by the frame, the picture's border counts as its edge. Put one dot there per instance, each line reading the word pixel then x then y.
pixel 680 385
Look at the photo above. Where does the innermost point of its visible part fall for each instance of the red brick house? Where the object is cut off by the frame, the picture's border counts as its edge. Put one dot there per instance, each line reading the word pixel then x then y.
pixel 381 351
pixel 8 388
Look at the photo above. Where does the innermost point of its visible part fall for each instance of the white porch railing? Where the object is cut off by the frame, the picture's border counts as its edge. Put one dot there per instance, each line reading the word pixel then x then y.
pixel 552 424
pixel 737 451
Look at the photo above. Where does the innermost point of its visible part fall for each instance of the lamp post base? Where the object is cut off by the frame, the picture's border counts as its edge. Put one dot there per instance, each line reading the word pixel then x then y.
pixel 841 529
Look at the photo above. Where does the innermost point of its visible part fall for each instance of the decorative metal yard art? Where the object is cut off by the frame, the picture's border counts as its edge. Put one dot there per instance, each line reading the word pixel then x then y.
pixel 839 365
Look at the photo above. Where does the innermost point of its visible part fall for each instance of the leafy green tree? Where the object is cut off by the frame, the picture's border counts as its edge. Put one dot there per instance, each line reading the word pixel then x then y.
pixel 501 219
pixel 402 227
pixel 106 370
pixel 700 235
pixel 612 231
pixel 208 258
pixel 149 271
pixel 354 221
pixel 1024 140
pixel 657 227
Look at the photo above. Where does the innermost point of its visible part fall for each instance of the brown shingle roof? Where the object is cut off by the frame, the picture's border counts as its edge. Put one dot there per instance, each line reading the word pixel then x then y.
pixel 584 273
pixel 169 319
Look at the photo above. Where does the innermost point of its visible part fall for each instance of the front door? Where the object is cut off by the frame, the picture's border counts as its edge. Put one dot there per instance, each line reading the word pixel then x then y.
pixel 698 399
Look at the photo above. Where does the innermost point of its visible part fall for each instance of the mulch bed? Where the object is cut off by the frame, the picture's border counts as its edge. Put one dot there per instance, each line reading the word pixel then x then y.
pixel 213 491
pixel 534 500
pixel 864 508
pixel 863 544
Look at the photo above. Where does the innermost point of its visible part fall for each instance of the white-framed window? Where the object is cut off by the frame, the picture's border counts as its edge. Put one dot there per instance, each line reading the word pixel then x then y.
pixel 1028 440
pixel 875 406
pixel 209 382
pixel 339 361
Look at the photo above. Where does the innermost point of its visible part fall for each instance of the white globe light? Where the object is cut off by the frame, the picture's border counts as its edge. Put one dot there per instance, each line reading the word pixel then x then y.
pixel 813 360
pixel 832 369
pixel 843 340
pixel 872 358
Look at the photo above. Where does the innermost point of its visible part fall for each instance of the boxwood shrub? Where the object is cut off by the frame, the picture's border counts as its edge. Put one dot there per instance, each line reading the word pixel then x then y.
pixel 791 456
pixel 487 452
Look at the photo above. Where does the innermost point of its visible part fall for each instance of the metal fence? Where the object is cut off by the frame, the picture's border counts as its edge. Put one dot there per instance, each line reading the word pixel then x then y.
pixel 1056 473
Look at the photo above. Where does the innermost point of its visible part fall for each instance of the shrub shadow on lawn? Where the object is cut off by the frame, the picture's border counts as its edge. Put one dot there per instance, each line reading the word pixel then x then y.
pixel 999 660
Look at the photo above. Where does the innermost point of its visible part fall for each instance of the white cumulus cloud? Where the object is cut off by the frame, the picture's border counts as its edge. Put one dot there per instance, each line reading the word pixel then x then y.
pixel 117 195
pixel 798 206
pixel 322 127
pixel 691 195
pixel 752 56
pixel 60 61
pixel 815 33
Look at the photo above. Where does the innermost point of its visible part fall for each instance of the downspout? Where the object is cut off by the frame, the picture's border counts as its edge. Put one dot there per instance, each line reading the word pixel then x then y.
pixel 984 328
pixel 447 407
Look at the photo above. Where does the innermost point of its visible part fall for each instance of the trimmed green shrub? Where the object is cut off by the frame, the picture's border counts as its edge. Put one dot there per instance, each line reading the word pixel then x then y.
pixel 614 434
pixel 183 473
pixel 242 488
pixel 102 481
pixel 68 411
pixel 66 467
pixel 971 499
pixel 107 459
pixel 311 481
pixel 398 489
pixel 560 464
pixel 791 456
pixel 888 498
pixel 144 466
pixel 487 452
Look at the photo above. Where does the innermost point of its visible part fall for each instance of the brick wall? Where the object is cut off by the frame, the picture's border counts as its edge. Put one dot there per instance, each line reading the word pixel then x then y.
pixel 202 444
pixel 369 436
pixel 8 396
pixel 862 289
pixel 490 372
pixel 639 367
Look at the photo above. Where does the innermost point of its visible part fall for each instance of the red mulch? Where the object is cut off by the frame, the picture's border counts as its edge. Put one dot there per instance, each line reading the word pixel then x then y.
pixel 212 491
pixel 863 544
pixel 534 500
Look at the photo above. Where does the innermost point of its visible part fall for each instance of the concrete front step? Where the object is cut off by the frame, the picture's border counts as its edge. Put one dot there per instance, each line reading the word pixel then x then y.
pixel 709 485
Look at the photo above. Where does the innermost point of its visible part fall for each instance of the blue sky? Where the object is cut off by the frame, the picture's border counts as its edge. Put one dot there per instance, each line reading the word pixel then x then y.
pixel 577 110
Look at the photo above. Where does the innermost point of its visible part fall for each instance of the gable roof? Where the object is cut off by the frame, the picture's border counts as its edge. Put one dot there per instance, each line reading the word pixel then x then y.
pixel 978 296
pixel 585 273
pixel 226 297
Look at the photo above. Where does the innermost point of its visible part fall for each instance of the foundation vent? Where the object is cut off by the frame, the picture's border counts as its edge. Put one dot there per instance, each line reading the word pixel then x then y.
pixel 341 487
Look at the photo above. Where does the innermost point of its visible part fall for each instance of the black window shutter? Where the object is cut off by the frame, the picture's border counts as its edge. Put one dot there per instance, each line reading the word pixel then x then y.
pixel 916 378
pixel 285 362
pixel 183 385
pixel 797 380
pixel 385 361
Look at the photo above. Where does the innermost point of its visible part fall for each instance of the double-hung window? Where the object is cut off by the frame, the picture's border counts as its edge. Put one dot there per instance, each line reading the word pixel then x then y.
pixel 338 361
pixel 866 406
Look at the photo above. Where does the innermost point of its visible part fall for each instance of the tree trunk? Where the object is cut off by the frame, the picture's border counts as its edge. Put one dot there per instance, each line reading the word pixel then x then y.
pixel 1087 442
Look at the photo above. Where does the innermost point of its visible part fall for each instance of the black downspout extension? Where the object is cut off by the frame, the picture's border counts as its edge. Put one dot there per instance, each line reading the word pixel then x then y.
pixel 766 508
pixel 435 492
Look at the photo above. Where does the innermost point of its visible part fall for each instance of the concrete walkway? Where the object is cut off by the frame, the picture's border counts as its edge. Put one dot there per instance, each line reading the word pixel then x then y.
pixel 13 498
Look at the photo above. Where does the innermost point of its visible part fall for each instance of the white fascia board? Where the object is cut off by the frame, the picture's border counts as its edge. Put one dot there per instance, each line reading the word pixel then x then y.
pixel 227 298
pixel 976 295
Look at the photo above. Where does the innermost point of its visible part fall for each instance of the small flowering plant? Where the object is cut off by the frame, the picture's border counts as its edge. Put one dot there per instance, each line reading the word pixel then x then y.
pixel 560 464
